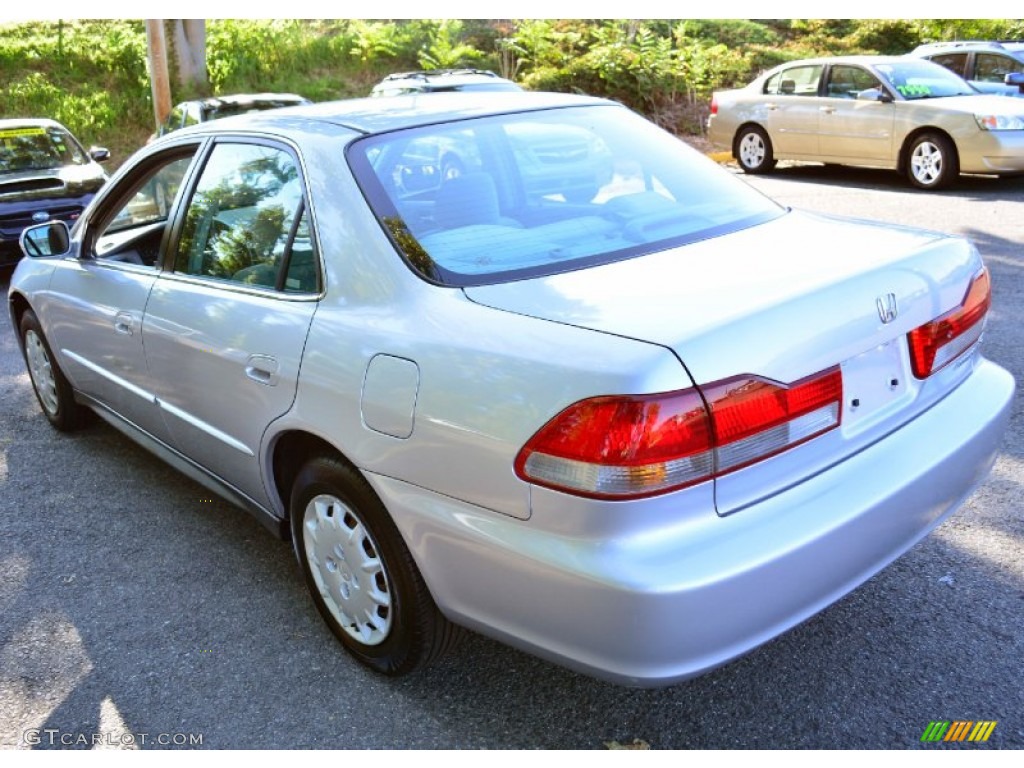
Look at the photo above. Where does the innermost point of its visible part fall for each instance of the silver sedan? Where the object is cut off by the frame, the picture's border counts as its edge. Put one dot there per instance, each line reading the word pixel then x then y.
pixel 638 429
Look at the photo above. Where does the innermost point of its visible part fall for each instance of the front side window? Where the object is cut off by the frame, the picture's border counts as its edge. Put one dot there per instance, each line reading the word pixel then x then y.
pixel 505 197
pixel 246 221
pixel 993 68
pixel 845 81
pixel 132 230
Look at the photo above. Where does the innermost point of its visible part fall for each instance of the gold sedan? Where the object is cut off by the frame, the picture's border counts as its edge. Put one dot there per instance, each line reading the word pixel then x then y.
pixel 907 114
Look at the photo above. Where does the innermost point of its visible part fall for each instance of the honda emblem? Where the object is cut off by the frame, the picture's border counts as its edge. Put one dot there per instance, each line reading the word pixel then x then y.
pixel 887 309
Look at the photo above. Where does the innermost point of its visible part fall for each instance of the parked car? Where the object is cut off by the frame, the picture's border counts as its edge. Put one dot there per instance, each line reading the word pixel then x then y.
pixel 442 81
pixel 215 107
pixel 44 174
pixel 638 436
pixel 907 114
pixel 991 67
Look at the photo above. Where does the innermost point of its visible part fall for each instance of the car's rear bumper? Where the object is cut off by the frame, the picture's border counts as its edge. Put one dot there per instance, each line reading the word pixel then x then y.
pixel 664 605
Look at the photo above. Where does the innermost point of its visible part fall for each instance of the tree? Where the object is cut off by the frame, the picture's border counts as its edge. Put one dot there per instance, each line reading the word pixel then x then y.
pixel 189 37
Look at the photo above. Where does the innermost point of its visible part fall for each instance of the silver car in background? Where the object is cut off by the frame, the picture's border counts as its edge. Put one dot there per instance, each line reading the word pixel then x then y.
pixel 637 431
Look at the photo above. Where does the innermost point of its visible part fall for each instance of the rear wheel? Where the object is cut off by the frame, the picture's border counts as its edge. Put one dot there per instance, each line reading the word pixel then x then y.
pixel 932 161
pixel 52 390
pixel 754 150
pixel 360 574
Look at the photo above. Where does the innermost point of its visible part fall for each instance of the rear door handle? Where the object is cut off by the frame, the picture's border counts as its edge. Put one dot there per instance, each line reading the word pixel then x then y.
pixel 262 369
pixel 827 110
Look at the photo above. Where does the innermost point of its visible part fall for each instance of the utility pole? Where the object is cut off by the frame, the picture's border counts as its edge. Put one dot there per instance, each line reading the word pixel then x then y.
pixel 158 75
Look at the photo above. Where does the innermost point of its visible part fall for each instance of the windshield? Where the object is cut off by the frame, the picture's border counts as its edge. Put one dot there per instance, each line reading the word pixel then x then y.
pixel 919 79
pixel 513 196
pixel 37 148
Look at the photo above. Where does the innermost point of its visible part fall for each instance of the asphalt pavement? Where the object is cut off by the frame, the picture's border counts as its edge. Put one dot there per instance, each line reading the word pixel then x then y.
pixel 137 611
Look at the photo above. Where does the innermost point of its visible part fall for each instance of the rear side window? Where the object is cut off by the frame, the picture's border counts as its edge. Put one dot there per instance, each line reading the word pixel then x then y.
pixel 795 81
pixel 246 222
pixel 955 62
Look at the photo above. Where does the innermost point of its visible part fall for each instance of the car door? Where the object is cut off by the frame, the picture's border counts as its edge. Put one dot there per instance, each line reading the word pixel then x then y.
pixel 854 125
pixel 225 327
pixel 97 300
pixel 792 104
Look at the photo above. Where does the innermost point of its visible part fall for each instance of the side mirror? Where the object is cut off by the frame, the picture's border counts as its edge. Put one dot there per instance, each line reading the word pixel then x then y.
pixel 1015 78
pixel 99 154
pixel 875 94
pixel 50 239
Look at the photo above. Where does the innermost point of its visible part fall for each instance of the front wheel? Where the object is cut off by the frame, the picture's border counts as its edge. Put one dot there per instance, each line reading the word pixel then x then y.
pixel 932 161
pixel 360 574
pixel 754 150
pixel 52 390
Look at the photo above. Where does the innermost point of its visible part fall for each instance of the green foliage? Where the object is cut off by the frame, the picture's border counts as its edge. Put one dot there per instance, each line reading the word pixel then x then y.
pixel 446 51
pixel 92 75
pixel 891 36
pixel 733 33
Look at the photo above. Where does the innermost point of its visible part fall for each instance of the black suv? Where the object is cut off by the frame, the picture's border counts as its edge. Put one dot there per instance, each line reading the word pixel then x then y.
pixel 44 174
pixel 442 80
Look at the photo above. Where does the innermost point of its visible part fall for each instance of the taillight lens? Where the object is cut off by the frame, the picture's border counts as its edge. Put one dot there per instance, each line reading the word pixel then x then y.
pixel 938 343
pixel 621 447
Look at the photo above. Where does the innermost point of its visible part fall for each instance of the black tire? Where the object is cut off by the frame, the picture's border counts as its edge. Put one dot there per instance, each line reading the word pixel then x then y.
pixel 753 150
pixel 54 393
pixel 381 611
pixel 932 161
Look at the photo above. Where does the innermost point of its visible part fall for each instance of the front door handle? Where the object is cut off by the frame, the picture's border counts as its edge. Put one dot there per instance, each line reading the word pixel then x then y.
pixel 124 323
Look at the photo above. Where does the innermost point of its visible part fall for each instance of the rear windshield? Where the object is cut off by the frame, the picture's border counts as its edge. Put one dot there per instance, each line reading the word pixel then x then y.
pixel 513 196
pixel 36 148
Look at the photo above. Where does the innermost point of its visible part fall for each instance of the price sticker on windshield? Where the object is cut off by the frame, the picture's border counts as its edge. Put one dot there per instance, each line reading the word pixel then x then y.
pixel 14 133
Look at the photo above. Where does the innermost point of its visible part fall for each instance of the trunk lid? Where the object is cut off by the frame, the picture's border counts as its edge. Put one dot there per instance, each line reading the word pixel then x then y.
pixel 782 301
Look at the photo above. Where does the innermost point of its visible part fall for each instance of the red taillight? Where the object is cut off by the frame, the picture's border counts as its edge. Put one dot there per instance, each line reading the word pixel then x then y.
pixel 938 343
pixel 714 105
pixel 754 418
pixel 622 447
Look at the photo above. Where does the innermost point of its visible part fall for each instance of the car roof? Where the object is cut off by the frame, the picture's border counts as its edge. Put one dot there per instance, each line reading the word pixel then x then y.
pixel 30 122
pixel 237 99
pixel 1012 48
pixel 446 76
pixel 370 115
pixel 853 59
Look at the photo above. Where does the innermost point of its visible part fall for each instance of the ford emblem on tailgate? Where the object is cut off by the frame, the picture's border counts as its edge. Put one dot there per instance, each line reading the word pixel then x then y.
pixel 40 216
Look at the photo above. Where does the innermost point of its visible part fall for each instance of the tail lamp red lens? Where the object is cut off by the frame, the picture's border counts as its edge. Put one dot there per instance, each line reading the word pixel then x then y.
pixel 936 344
pixel 620 447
